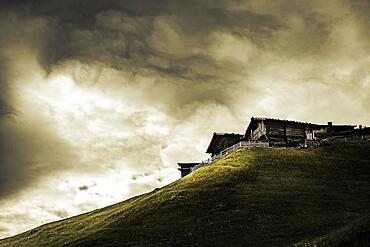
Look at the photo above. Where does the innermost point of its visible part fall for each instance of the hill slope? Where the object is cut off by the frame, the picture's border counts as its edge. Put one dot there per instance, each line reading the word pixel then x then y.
pixel 258 197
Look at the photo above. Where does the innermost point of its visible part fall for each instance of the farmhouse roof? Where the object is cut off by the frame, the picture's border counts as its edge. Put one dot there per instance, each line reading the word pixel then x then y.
pixel 315 126
pixel 218 140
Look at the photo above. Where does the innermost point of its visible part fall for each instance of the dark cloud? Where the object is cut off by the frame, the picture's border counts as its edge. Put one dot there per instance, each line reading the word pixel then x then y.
pixel 27 153
pixel 5 108
pixel 137 34
pixel 83 187
pixel 11 169
pixel 23 148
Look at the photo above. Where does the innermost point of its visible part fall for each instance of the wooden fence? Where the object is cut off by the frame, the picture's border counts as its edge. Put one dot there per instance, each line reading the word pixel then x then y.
pixel 246 144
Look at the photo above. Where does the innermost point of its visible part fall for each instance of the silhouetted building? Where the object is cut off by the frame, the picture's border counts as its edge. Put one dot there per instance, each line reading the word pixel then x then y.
pixel 289 133
pixel 185 168
pixel 221 141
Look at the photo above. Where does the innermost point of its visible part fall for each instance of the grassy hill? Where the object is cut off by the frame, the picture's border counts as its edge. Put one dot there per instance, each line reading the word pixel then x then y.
pixel 258 197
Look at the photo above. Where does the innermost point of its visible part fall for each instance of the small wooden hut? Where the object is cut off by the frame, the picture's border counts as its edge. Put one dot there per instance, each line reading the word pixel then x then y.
pixel 221 141
pixel 185 168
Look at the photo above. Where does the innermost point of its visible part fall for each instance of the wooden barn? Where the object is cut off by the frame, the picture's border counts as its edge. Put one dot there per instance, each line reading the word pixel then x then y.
pixel 221 141
pixel 289 133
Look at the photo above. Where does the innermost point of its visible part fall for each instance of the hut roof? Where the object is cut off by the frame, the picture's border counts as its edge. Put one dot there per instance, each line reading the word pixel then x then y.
pixel 187 165
pixel 219 140
pixel 306 124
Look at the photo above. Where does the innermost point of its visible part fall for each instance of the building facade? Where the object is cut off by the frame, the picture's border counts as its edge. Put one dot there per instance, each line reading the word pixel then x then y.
pixel 289 133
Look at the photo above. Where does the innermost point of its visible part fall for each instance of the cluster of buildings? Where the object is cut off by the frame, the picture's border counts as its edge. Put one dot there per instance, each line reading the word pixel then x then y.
pixel 275 133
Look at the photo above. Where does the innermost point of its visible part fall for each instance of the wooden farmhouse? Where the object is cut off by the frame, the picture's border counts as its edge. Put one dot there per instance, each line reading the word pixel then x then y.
pixel 271 133
pixel 289 133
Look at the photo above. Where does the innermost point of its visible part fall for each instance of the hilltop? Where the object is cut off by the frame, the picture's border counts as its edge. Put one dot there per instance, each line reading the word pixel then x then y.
pixel 251 197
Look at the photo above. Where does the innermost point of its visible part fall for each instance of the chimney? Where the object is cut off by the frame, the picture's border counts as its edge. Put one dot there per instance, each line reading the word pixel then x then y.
pixel 330 124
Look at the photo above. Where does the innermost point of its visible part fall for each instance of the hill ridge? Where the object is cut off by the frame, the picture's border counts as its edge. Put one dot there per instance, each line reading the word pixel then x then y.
pixel 273 197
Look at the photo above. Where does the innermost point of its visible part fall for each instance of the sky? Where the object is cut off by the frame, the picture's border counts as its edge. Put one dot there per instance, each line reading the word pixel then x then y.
pixel 99 100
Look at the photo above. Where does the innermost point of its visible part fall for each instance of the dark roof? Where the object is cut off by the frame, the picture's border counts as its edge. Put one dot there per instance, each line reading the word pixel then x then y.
pixel 257 119
pixel 335 127
pixel 187 165
pixel 218 139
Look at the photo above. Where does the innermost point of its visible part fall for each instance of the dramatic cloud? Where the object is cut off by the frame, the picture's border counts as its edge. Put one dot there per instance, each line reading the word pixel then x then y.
pixel 100 100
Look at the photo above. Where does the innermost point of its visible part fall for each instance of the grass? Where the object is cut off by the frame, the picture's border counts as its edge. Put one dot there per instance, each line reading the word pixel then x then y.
pixel 356 233
pixel 257 197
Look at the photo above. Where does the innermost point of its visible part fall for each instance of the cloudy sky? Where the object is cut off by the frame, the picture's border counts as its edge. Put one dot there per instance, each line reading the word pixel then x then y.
pixel 100 99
